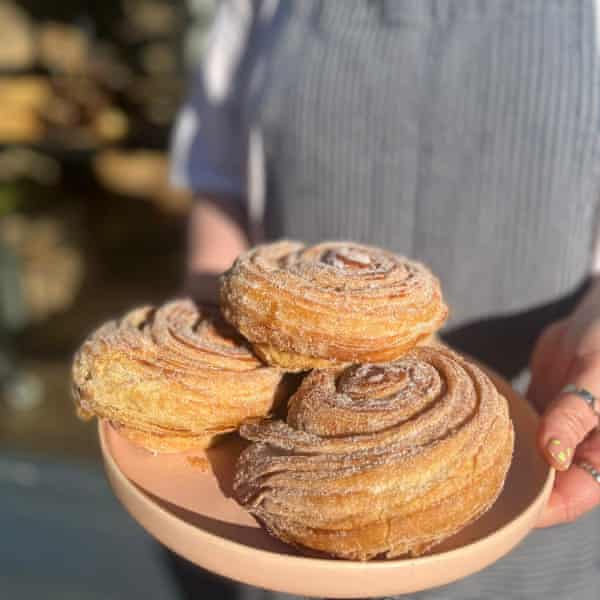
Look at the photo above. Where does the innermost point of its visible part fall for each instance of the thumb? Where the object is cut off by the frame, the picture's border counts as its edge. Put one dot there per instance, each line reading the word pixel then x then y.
pixel 568 419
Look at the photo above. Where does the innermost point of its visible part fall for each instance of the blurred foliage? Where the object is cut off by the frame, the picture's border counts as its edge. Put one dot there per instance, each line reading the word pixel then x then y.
pixel 51 265
pixel 10 198
pixel 89 225
pixel 82 75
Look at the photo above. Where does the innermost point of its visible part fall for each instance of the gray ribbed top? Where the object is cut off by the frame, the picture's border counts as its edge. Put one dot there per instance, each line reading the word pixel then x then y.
pixel 465 138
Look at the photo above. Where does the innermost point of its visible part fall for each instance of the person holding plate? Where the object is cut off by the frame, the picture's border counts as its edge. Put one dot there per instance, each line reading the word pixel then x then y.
pixel 463 134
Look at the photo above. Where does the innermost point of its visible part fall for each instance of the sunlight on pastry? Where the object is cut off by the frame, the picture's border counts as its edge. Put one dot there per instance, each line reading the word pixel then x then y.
pixel 173 378
pixel 379 460
pixel 331 304
pixel 392 442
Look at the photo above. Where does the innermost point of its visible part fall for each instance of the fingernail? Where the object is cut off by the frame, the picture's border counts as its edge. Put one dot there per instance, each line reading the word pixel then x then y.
pixel 561 455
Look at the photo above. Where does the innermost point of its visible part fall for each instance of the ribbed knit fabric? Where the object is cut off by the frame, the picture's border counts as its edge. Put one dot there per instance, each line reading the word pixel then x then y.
pixel 466 138
pixel 462 133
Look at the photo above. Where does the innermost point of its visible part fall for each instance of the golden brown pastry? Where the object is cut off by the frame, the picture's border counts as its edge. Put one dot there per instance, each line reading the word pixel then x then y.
pixel 331 304
pixel 172 378
pixel 379 460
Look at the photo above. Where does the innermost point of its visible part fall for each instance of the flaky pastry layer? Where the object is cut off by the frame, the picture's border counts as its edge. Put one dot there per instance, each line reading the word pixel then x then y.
pixel 331 304
pixel 379 460
pixel 172 378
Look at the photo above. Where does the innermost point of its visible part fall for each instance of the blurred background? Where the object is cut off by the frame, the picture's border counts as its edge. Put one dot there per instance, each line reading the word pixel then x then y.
pixel 89 227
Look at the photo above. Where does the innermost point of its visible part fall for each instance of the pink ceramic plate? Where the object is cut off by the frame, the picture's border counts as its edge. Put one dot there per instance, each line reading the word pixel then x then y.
pixel 193 513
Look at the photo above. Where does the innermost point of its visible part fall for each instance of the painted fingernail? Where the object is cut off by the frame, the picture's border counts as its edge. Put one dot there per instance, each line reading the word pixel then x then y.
pixel 560 454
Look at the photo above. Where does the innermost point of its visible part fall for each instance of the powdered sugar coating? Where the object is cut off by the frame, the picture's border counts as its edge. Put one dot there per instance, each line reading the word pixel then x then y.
pixel 333 303
pixel 173 377
pixel 373 459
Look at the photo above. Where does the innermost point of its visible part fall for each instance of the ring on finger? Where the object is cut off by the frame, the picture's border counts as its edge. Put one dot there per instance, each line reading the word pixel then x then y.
pixel 584 394
pixel 590 469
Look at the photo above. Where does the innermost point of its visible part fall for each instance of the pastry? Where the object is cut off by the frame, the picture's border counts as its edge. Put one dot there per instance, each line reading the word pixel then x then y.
pixel 379 460
pixel 173 378
pixel 331 304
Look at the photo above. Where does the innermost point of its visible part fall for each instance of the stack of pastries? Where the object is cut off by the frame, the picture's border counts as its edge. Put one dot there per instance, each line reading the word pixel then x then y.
pixel 391 443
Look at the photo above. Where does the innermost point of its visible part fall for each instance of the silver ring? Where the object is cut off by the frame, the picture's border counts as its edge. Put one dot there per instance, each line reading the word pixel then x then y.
pixel 584 394
pixel 595 473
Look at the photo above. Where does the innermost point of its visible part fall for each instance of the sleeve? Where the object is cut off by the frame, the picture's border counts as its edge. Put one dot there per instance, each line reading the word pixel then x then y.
pixel 210 140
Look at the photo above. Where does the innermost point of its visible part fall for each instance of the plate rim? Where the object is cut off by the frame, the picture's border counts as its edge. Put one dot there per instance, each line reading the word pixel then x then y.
pixel 388 564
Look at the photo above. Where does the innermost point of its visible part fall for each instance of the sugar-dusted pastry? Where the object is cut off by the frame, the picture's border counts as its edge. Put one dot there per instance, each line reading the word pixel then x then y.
pixel 172 378
pixel 331 304
pixel 379 460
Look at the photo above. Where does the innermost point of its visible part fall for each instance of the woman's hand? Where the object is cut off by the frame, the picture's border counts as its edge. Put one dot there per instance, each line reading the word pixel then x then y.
pixel 568 352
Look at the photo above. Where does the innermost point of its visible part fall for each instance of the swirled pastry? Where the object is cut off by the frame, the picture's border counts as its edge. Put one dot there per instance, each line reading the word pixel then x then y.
pixel 172 378
pixel 379 460
pixel 330 304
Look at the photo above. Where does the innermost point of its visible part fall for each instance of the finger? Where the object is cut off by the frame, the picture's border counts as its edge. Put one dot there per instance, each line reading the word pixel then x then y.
pixel 568 419
pixel 544 375
pixel 575 491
